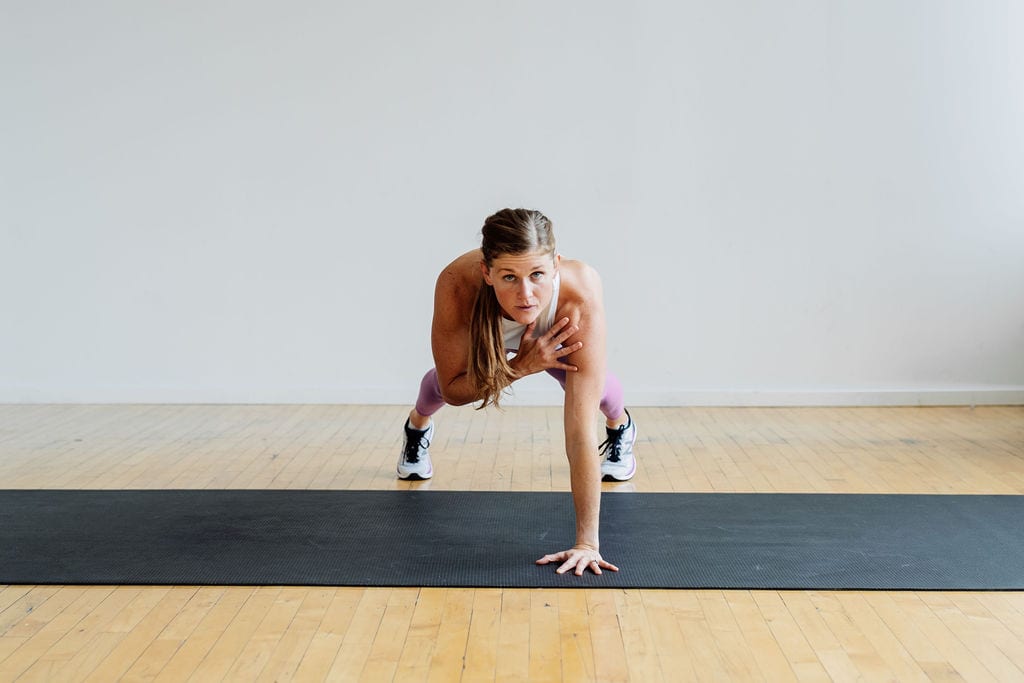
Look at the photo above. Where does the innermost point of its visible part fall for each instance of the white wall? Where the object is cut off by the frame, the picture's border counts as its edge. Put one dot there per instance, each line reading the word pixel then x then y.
pixel 799 202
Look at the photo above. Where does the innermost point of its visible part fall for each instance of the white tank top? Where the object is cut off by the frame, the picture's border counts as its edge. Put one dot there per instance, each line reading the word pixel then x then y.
pixel 513 331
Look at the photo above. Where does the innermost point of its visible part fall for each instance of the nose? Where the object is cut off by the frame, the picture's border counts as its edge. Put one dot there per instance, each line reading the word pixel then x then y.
pixel 524 290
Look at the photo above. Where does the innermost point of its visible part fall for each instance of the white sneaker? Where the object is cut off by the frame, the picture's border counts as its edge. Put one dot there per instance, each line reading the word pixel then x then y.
pixel 414 460
pixel 618 463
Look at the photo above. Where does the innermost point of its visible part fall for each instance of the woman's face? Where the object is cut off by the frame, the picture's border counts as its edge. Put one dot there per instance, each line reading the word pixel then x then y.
pixel 523 283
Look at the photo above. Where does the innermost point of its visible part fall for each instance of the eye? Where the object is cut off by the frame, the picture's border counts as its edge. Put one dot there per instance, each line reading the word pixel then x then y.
pixel 509 278
pixel 538 275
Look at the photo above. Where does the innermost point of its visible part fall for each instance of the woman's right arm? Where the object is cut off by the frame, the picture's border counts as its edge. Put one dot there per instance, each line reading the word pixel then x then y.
pixel 449 336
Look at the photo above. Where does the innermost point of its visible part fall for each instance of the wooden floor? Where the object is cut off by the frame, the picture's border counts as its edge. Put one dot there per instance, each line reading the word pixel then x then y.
pixel 271 633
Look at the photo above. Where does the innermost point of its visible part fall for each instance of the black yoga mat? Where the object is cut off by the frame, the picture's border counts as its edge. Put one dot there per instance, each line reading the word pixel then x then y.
pixel 440 538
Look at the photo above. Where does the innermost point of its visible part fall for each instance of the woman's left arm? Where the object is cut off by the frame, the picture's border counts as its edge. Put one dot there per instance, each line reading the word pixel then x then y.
pixel 583 391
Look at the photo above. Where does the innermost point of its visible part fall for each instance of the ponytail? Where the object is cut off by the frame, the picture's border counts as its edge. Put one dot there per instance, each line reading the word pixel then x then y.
pixel 489 371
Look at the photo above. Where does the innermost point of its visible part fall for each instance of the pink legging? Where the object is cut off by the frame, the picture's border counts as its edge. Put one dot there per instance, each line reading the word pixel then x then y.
pixel 430 399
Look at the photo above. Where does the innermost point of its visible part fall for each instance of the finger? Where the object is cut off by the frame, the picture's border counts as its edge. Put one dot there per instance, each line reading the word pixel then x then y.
pixel 567 351
pixel 609 565
pixel 563 333
pixel 567 565
pixel 550 558
pixel 561 340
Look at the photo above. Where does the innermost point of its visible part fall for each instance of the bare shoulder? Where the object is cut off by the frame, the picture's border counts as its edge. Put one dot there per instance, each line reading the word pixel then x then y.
pixel 580 300
pixel 454 295
pixel 581 285
pixel 459 282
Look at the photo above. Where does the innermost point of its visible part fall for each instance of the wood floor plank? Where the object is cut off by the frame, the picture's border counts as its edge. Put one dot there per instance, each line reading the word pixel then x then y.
pixel 453 635
pixel 826 646
pixel 576 650
pixel 482 644
pixel 898 661
pixel 914 640
pixel 418 647
pixel 637 638
pixel 772 663
pixel 195 645
pixel 671 647
pixel 610 660
pixel 734 651
pixel 857 644
pixel 994 645
pixel 64 660
pixel 382 662
pixel 354 650
pixel 250 662
pixel 28 611
pixel 43 635
pixel 291 648
pixel 545 642
pixel 965 662
pixel 788 635
pixel 329 639
pixel 141 635
pixel 697 632
pixel 225 652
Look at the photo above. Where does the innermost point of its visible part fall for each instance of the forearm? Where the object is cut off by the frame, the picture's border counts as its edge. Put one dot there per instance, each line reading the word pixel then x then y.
pixel 585 480
pixel 522 367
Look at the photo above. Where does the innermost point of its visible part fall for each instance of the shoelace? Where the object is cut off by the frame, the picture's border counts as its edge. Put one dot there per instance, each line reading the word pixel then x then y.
pixel 613 444
pixel 413 444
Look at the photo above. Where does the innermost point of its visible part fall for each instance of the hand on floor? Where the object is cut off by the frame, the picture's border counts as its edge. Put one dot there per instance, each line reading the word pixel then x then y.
pixel 579 558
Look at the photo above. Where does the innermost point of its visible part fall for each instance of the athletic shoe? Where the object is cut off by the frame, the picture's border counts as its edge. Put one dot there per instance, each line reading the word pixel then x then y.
pixel 618 463
pixel 414 461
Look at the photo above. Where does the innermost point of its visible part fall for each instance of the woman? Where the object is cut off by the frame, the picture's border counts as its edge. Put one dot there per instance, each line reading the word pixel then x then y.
pixel 516 294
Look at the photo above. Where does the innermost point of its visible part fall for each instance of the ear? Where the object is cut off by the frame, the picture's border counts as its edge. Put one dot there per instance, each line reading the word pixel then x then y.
pixel 486 272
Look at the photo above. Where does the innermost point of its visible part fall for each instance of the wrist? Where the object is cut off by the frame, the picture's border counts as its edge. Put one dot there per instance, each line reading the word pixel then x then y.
pixel 517 371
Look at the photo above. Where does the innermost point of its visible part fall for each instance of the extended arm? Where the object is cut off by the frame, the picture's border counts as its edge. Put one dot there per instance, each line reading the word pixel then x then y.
pixel 583 391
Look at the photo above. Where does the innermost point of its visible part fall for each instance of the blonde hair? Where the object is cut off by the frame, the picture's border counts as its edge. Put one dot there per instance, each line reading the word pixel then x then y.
pixel 510 231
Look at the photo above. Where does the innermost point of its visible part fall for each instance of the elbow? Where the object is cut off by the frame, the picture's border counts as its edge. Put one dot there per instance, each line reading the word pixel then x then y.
pixel 458 391
pixel 455 399
pixel 448 388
